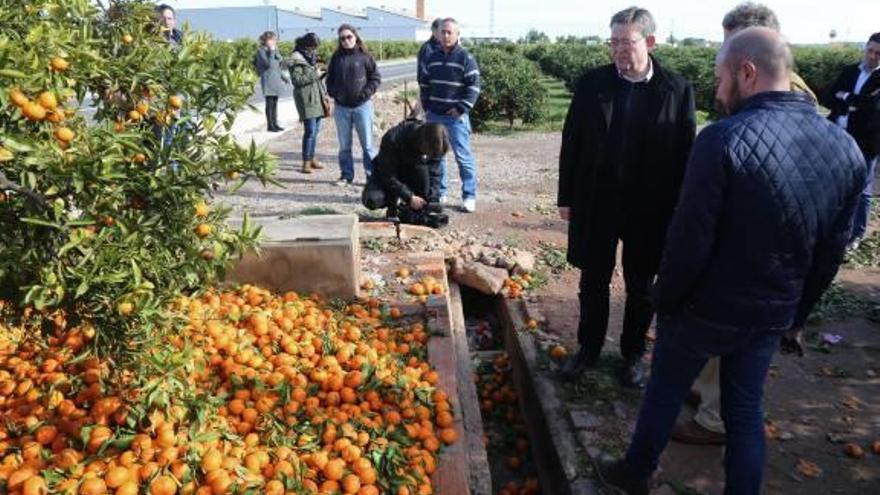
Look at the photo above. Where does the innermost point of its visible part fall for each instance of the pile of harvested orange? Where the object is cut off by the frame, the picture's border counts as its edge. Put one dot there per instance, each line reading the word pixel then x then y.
pixel 425 287
pixel 279 395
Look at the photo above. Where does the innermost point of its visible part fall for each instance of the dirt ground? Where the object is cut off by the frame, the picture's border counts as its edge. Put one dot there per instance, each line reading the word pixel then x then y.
pixel 815 404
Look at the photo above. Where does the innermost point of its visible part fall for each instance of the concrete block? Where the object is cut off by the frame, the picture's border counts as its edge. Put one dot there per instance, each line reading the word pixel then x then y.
pixel 319 253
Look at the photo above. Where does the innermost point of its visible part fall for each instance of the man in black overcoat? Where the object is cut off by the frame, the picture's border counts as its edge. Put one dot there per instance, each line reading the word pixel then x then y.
pixel 625 143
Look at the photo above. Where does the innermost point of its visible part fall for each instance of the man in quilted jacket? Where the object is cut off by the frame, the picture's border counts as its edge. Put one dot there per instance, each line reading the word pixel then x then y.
pixel 758 233
pixel 706 427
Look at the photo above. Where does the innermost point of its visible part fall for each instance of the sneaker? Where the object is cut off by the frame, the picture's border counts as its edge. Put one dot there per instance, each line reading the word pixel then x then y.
pixel 444 199
pixel 470 205
pixel 343 182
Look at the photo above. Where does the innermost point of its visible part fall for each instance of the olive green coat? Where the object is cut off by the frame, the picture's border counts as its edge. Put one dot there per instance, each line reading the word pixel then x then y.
pixel 308 88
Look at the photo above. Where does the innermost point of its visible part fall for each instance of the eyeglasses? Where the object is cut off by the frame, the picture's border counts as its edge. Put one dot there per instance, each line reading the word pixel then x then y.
pixel 346 37
pixel 624 43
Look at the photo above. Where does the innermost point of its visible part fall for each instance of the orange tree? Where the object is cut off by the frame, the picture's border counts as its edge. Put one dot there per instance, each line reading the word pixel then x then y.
pixel 111 139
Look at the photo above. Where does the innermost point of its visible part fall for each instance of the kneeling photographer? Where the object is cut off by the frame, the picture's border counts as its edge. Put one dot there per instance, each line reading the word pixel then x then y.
pixel 406 174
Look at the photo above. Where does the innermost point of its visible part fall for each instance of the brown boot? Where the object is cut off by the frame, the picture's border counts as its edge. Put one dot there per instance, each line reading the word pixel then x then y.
pixel 307 167
pixel 316 165
pixel 694 433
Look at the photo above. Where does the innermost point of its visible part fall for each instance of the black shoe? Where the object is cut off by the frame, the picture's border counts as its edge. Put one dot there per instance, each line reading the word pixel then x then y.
pixel 278 128
pixel 574 367
pixel 634 373
pixel 614 475
pixel 274 129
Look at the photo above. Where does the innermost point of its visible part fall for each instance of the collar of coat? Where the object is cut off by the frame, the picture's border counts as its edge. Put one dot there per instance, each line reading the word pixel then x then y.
pixel 659 79
pixel 646 78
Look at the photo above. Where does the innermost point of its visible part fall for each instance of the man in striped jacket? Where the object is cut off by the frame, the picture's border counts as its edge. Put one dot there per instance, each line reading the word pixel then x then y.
pixel 449 84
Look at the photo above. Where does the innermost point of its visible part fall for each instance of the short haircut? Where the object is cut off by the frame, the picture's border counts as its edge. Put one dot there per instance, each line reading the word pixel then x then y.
pixel 875 38
pixel 638 16
pixel 162 7
pixel 450 20
pixel 750 14
pixel 436 24
pixel 762 46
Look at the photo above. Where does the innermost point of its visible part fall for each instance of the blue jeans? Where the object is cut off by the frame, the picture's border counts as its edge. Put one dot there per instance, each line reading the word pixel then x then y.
pixel 684 345
pixel 361 119
pixel 863 210
pixel 311 128
pixel 459 130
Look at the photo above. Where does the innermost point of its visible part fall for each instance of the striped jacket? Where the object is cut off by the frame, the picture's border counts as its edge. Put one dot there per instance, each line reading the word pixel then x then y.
pixel 449 80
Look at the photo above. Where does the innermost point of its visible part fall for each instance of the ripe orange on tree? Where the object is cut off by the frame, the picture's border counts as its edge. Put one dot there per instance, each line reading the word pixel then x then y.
pixel 175 102
pixel 59 64
pixel 64 134
pixel 17 97
pixel 47 100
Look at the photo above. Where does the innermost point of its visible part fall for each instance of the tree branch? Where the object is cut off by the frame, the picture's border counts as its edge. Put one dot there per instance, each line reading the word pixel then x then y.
pixel 6 184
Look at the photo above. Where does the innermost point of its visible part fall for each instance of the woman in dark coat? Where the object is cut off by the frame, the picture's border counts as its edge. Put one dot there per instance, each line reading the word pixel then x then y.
pixel 352 79
pixel 268 64
pixel 308 96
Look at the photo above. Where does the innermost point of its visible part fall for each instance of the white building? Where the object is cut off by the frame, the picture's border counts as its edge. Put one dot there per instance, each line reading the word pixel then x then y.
pixel 374 24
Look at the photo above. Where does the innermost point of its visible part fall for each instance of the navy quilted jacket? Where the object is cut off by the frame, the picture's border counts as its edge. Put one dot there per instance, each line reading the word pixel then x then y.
pixel 763 218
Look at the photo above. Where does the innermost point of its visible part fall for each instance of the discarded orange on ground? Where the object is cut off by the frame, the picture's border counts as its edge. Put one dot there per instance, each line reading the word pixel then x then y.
pixel 854 450
pixel 558 352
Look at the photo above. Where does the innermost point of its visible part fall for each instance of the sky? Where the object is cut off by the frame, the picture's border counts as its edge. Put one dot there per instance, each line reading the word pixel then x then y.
pixel 803 21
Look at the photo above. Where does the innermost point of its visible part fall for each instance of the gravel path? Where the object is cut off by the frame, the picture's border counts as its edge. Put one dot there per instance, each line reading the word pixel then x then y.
pixel 518 171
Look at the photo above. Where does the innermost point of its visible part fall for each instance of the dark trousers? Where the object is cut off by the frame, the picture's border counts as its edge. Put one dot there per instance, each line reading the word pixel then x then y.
pixel 641 257
pixel 684 344
pixel 271 112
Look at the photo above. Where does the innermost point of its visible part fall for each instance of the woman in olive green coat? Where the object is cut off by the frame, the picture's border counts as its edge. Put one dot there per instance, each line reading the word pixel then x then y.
pixel 308 96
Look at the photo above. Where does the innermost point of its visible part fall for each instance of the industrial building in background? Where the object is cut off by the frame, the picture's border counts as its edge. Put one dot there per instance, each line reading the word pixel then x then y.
pixel 373 23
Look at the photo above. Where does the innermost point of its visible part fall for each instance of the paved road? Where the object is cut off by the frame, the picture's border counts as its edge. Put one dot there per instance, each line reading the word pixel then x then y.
pixel 394 71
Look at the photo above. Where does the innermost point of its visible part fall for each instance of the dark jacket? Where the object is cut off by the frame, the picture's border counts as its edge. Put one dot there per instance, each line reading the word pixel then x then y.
pixel 584 153
pixel 352 77
pixel 308 87
pixel 449 80
pixel 764 216
pixel 864 109
pixel 401 171
pixel 425 51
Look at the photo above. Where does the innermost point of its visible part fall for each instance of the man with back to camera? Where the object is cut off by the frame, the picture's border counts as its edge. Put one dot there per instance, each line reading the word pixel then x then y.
pixel 707 427
pixel 625 144
pixel 758 234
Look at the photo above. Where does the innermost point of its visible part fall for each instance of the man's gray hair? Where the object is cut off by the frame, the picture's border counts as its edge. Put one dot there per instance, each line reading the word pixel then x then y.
pixel 638 16
pixel 436 24
pixel 750 14
pixel 762 46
